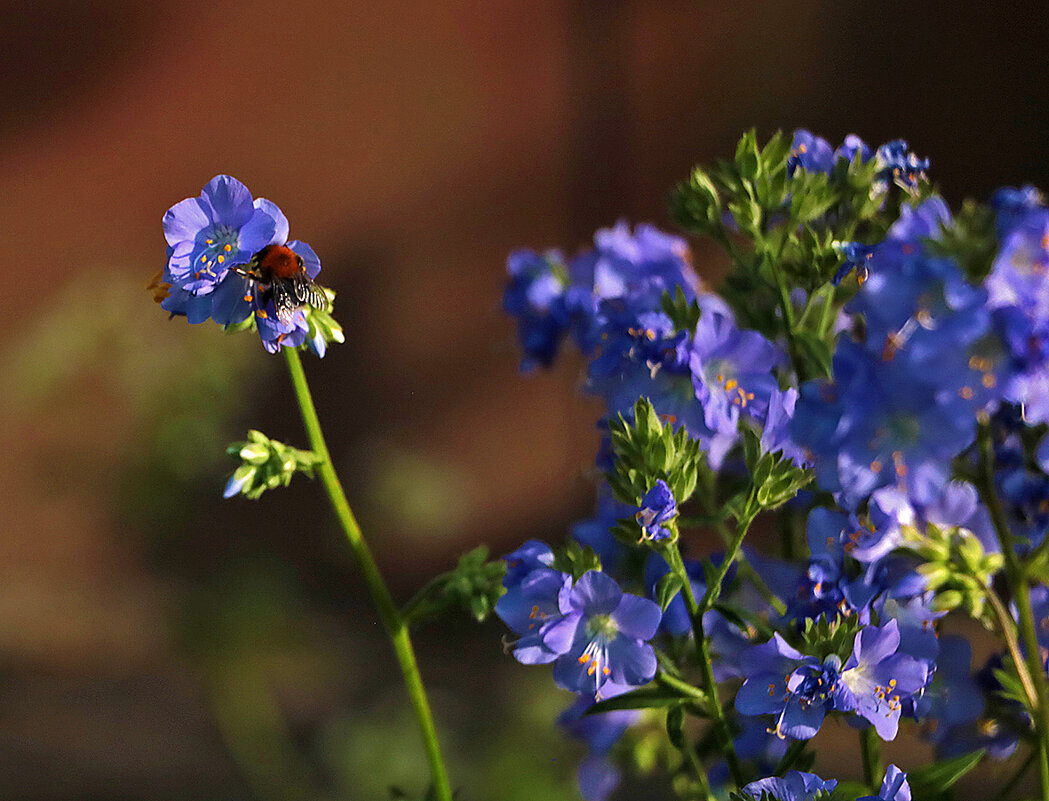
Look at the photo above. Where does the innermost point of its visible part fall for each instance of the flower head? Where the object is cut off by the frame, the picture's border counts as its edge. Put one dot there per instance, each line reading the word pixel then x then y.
pixel 608 631
pixel 657 507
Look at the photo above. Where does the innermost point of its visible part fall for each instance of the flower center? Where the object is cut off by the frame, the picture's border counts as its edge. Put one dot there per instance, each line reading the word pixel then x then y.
pixel 601 627
pixel 220 243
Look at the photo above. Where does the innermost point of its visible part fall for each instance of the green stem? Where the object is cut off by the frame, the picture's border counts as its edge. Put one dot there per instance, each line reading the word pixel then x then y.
pixel 1005 625
pixel 1016 577
pixel 710 597
pixel 870 750
pixel 719 721
pixel 391 618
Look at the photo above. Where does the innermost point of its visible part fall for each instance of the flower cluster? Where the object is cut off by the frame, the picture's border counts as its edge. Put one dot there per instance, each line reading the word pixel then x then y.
pixel 874 372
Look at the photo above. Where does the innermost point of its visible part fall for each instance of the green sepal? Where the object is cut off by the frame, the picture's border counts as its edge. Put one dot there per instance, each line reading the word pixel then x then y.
pixel 684 314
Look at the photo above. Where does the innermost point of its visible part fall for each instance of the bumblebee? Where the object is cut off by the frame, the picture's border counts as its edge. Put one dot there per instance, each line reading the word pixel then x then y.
pixel 279 272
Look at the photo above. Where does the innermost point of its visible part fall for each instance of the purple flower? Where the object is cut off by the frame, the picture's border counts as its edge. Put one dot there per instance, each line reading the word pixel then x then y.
pixel 606 632
pixel 731 371
pixel 534 607
pixel 880 678
pixel 796 689
pixel 894 787
pixel 795 786
pixel 656 508
pixel 898 164
pixel 210 235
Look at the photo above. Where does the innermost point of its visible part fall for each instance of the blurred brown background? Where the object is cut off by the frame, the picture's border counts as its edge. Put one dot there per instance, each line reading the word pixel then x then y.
pixel 156 642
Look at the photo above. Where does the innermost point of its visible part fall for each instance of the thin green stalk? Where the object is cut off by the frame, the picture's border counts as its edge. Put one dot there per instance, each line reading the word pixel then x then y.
pixel 870 750
pixel 391 618
pixel 1017 580
pixel 713 592
pixel 1005 625
pixel 720 722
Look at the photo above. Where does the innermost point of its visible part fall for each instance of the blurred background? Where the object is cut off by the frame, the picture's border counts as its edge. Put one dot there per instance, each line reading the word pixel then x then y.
pixel 157 642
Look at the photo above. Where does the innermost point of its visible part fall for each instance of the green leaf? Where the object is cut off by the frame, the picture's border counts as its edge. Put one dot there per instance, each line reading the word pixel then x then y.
pixel 667 589
pixel 676 726
pixel 651 696
pixel 933 779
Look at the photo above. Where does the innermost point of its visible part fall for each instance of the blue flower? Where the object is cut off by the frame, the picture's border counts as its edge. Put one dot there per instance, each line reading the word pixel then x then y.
pixel 814 154
pixel 855 255
pixel 1011 206
pixel 954 698
pixel 879 422
pixel 775 435
pixel 810 152
pixel 530 556
pixel 795 786
pixel 731 372
pixel 797 690
pixel 656 508
pixel 896 163
pixel 535 295
pixel 894 787
pixel 607 632
pixel 880 678
pixel 208 235
pixel 534 607
pixel 596 532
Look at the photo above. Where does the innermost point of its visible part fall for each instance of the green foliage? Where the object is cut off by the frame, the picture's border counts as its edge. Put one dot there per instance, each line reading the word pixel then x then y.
pixel 682 313
pixel 323 323
pixel 823 638
pixel 267 464
pixel 775 478
pixel 474 586
pixel 576 560
pixel 651 696
pixel 783 232
pixel 667 589
pixel 648 450
pixel 969 240
pixel 955 566
pixel 931 782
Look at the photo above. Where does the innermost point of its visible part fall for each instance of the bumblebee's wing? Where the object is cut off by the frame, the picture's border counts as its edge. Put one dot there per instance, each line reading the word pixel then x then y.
pixel 293 293
pixel 284 301
pixel 308 293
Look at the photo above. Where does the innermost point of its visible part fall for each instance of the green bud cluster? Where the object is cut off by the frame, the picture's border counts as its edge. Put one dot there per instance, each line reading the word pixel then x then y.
pixel 955 565
pixel 267 464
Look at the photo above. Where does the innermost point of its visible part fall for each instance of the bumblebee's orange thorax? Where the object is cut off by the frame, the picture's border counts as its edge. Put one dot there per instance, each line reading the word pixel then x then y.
pixel 280 261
